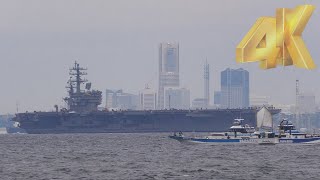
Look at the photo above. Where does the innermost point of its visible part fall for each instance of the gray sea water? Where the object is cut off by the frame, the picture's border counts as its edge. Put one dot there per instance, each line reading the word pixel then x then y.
pixel 149 156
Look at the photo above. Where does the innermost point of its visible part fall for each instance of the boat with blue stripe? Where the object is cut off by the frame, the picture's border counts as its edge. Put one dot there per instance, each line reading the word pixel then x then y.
pixel 262 134
pixel 289 134
pixel 238 133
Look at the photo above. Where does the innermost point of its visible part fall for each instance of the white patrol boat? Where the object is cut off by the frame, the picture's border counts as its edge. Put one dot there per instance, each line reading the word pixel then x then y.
pixel 289 134
pixel 240 132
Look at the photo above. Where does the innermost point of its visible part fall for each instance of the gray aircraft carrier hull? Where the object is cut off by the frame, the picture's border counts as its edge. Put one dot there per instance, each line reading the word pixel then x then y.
pixel 135 121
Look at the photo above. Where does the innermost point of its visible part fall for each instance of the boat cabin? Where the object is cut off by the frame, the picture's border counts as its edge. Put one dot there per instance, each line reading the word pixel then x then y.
pixel 288 130
pixel 238 127
pixel 286 125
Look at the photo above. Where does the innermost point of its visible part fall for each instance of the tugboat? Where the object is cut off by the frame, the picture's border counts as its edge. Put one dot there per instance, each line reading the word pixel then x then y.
pixel 289 134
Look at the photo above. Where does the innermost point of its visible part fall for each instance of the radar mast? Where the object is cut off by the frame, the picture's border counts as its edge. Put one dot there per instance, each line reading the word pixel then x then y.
pixel 81 100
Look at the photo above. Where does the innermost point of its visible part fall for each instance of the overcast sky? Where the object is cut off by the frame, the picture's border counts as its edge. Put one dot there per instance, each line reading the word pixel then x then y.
pixel 118 41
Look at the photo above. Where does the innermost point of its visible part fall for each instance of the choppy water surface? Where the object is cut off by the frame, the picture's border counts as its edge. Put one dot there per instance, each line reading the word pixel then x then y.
pixel 149 156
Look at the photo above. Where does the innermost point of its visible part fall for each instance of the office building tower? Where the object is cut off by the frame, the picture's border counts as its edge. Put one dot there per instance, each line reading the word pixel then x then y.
pixel 177 98
pixel 235 88
pixel 168 69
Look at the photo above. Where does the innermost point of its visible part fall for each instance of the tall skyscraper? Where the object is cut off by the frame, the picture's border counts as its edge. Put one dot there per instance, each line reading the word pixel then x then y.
pixel 206 77
pixel 168 69
pixel 235 88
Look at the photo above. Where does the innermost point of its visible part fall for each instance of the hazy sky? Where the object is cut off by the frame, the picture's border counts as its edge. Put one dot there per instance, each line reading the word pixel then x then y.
pixel 118 41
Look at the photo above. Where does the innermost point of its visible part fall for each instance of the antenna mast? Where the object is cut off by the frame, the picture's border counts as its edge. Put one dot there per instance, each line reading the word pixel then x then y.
pixel 81 100
pixel 77 72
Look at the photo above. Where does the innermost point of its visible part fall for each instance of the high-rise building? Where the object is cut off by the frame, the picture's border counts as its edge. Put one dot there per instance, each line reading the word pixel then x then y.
pixel 235 88
pixel 177 98
pixel 148 99
pixel 206 77
pixel 168 69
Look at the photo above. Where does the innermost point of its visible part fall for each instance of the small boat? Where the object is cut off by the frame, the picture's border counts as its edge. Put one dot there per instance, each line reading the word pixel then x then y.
pixel 179 136
pixel 289 134
pixel 263 134
pixel 238 133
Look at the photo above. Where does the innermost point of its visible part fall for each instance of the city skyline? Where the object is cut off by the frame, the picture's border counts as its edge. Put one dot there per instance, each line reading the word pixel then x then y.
pixel 118 42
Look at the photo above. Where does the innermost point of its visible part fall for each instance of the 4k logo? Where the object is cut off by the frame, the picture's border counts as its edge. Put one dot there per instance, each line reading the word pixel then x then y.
pixel 278 40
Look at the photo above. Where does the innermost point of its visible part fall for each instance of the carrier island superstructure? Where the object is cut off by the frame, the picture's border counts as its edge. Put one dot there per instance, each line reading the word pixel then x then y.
pixel 83 116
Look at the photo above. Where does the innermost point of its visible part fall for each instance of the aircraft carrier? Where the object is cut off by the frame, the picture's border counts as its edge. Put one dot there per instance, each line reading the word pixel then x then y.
pixel 83 116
